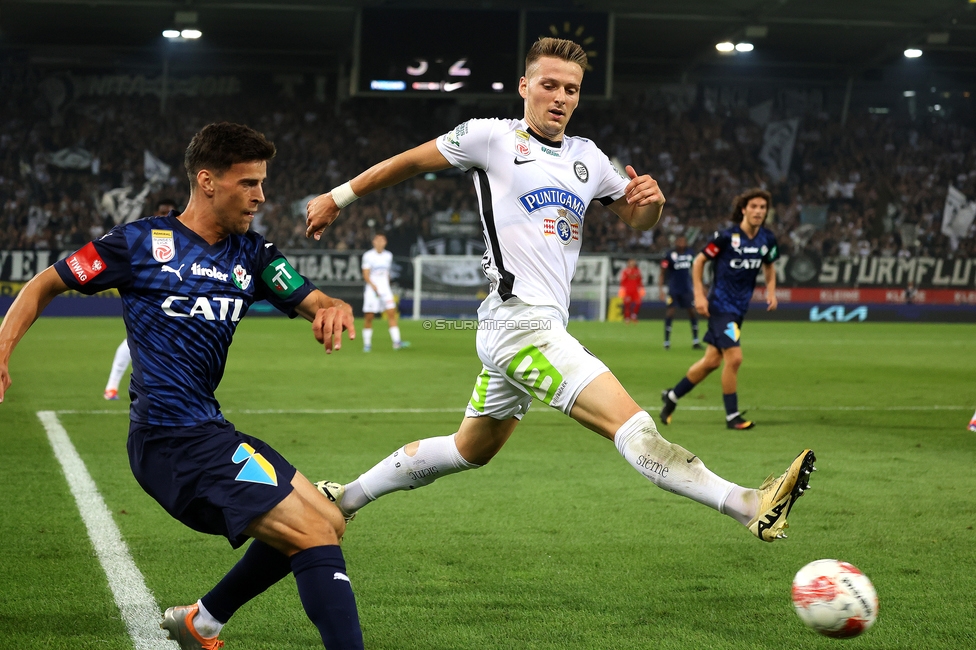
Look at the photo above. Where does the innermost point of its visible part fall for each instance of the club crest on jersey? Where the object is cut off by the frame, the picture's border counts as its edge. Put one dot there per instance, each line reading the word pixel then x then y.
pixel 582 173
pixel 241 277
pixel 564 229
pixel 736 240
pixel 163 246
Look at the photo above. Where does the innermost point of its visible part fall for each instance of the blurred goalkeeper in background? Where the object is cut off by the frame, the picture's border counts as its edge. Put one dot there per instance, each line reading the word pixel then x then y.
pixel 534 185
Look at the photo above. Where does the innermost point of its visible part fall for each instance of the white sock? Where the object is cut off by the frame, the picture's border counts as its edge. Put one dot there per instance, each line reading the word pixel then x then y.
pixel 435 457
pixel 368 336
pixel 674 468
pixel 395 335
pixel 206 625
pixel 119 365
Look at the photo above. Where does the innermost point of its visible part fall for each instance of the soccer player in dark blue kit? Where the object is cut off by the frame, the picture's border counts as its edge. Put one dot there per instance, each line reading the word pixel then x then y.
pixel 739 253
pixel 185 283
pixel 677 266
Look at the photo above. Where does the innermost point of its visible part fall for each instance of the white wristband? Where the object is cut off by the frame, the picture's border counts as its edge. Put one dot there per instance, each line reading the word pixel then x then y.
pixel 343 195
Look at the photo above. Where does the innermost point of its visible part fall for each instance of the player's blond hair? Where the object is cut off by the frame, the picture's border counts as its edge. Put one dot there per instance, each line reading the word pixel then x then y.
pixel 558 48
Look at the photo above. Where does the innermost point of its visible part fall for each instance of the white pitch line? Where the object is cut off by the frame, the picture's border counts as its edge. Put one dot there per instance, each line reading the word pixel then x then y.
pixel 365 411
pixel 135 602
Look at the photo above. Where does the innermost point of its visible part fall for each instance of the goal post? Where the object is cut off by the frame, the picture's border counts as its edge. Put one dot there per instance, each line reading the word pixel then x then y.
pixel 452 286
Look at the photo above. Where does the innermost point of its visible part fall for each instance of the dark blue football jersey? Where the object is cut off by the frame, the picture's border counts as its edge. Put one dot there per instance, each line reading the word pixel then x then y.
pixel 678 266
pixel 181 300
pixel 738 261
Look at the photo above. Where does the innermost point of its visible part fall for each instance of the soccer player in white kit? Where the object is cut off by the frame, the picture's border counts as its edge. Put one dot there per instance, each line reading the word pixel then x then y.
pixel 377 295
pixel 122 356
pixel 534 184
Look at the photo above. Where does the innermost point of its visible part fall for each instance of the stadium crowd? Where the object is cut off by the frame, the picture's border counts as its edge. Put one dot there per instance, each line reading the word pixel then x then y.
pixel 874 186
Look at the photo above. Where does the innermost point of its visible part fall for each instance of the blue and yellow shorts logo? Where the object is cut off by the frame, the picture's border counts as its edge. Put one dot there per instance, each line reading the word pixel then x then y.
pixel 732 331
pixel 257 469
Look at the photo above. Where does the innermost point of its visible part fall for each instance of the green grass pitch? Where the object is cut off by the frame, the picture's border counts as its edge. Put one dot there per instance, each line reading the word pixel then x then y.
pixel 557 544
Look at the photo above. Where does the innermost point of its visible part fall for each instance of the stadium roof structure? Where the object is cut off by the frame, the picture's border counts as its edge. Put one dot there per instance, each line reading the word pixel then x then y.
pixel 655 40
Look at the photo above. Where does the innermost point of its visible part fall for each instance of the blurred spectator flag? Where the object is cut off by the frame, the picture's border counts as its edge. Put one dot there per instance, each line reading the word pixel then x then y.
pixel 121 207
pixel 155 169
pixel 71 158
pixel 777 148
pixel 957 217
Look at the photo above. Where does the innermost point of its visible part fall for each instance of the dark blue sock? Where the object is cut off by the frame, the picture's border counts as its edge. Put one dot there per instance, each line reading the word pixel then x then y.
pixel 327 596
pixel 694 328
pixel 731 403
pixel 667 329
pixel 683 387
pixel 260 567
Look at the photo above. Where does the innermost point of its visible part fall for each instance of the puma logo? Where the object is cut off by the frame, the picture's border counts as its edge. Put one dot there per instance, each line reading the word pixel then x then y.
pixel 169 269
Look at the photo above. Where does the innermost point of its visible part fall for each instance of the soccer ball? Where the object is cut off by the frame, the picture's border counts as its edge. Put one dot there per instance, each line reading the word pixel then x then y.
pixel 834 598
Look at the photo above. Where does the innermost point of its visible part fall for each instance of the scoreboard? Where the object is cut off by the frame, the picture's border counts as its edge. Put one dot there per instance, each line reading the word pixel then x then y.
pixel 422 52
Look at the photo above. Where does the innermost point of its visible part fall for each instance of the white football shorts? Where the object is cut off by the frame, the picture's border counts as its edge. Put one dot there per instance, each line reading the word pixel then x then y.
pixel 527 353
pixel 377 303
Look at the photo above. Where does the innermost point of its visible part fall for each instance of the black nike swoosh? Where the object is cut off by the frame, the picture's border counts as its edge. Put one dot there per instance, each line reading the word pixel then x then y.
pixel 692 458
pixel 522 162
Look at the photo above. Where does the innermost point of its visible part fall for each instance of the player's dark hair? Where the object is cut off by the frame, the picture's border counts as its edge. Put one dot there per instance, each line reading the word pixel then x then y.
pixel 165 202
pixel 219 146
pixel 558 48
pixel 743 199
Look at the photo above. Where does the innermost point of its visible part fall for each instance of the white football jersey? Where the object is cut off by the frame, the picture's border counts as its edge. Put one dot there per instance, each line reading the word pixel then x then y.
pixel 379 268
pixel 533 194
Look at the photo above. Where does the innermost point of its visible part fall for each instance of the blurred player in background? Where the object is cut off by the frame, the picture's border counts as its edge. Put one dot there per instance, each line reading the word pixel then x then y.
pixel 739 254
pixel 197 465
pixel 677 265
pixel 534 185
pixel 122 357
pixel 972 423
pixel 377 295
pixel 631 290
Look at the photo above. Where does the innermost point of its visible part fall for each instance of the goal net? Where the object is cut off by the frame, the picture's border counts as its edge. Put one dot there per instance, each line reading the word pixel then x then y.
pixel 452 286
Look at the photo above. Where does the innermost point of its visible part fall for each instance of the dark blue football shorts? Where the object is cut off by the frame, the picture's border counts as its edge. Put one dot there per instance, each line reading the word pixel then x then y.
pixel 724 330
pixel 683 300
pixel 211 477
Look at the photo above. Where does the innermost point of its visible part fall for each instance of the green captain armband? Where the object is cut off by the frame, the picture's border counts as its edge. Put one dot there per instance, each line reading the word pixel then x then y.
pixel 282 278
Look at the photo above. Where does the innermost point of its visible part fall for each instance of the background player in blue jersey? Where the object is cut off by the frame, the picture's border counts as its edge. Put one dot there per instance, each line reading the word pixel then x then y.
pixel 738 254
pixel 122 357
pixel 677 266
pixel 185 283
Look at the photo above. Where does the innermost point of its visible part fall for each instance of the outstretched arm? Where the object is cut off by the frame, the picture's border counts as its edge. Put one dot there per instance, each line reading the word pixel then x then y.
pixel 324 209
pixel 33 298
pixel 642 203
pixel 329 317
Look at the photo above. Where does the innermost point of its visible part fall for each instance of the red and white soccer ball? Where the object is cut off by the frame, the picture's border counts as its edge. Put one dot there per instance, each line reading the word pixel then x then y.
pixel 835 599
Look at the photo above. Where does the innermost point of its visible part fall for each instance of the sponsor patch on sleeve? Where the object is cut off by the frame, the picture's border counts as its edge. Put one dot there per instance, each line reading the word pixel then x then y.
pixel 282 278
pixel 711 250
pixel 86 263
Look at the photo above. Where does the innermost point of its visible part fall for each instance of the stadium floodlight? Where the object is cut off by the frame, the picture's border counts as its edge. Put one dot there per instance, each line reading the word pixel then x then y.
pixel 724 47
pixel 171 33
pixel 744 47
pixel 909 93
pixel 191 33
pixel 913 53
